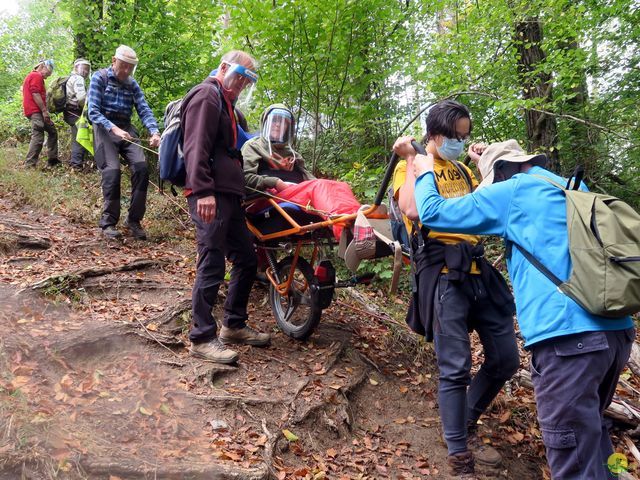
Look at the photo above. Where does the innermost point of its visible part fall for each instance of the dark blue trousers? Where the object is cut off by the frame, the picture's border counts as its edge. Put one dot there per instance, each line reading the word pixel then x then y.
pixel 574 378
pixel 459 308
pixel 226 236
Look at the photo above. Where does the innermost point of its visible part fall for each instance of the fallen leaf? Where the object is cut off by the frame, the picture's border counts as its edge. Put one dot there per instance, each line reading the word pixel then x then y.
pixel 289 436
pixel 144 411
pixel 373 382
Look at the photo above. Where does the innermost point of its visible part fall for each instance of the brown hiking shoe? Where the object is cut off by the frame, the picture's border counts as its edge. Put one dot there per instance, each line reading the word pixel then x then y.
pixel 246 336
pixel 483 453
pixel 214 351
pixel 461 465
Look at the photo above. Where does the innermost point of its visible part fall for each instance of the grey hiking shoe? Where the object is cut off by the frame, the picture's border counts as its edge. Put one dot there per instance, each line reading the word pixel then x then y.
pixel 246 336
pixel 214 351
pixel 483 453
pixel 111 231
pixel 461 465
pixel 135 229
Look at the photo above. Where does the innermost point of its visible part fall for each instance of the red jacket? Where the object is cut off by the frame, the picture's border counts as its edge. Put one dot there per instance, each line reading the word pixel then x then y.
pixel 34 83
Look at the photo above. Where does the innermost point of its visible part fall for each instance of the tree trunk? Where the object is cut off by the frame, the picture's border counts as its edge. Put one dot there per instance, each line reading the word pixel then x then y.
pixel 537 84
pixel 581 140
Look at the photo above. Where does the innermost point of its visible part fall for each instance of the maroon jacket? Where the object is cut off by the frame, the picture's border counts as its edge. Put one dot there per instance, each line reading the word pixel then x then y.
pixel 209 137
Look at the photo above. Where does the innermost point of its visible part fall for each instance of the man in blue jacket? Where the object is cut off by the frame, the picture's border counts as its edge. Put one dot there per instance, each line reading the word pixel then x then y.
pixel 576 357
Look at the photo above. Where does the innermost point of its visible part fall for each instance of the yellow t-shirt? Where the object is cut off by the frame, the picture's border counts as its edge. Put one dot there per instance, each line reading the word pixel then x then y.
pixel 451 184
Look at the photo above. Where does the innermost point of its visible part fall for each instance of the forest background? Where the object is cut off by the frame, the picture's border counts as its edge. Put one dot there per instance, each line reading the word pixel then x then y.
pixel 560 76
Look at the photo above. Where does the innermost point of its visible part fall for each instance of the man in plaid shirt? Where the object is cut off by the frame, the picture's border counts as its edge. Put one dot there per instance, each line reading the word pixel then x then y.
pixel 112 95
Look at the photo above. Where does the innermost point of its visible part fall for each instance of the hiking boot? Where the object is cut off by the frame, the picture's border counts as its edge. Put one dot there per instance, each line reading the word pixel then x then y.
pixel 135 229
pixel 53 163
pixel 111 232
pixel 214 351
pixel 246 335
pixel 461 465
pixel 483 453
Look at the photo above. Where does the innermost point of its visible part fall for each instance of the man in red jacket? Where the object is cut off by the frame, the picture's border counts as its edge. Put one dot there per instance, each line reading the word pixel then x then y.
pixel 34 104
pixel 214 188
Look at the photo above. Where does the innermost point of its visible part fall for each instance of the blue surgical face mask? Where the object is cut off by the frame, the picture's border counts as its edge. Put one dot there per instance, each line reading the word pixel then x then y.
pixel 451 148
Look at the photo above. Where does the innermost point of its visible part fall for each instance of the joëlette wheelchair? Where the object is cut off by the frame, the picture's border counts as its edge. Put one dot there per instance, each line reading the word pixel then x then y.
pixel 300 288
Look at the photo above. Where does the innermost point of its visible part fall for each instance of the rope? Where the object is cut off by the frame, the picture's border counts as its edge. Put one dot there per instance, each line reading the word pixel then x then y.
pixel 306 207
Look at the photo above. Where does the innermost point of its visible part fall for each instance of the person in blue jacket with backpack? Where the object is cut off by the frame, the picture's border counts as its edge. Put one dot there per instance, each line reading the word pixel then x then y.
pixel 576 357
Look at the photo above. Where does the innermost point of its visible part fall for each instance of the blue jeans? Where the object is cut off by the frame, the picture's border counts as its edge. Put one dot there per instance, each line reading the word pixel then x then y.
pixel 461 307
pixel 574 378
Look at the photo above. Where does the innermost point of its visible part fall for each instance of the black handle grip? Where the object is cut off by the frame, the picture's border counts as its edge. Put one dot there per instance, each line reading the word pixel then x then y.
pixel 418 147
pixel 393 161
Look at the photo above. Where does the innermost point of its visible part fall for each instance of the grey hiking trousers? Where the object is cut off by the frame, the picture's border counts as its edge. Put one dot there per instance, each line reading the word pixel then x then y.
pixel 108 150
pixel 38 129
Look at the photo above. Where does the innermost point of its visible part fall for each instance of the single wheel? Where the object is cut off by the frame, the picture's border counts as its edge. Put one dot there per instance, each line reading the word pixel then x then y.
pixel 297 311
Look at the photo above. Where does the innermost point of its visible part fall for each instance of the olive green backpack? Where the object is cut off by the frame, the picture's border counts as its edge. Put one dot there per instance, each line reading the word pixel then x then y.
pixel 57 95
pixel 604 244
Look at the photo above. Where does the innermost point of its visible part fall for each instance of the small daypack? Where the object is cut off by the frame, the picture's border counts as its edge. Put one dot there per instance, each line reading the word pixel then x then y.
pixel 604 244
pixel 170 153
pixel 57 95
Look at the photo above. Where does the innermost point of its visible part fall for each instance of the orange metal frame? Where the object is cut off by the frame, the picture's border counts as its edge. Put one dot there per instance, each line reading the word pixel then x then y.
pixel 296 229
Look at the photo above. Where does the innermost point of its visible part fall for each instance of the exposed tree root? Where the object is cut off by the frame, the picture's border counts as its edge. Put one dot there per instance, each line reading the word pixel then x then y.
pixel 142 470
pixel 169 341
pixel 269 447
pixel 20 226
pixel 10 242
pixel 345 390
pixel 72 279
pixel 337 350
pixel 137 284
pixel 209 372
pixel 173 319
pixel 232 399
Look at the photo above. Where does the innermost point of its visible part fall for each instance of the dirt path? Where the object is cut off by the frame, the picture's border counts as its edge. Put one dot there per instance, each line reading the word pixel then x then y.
pixel 85 392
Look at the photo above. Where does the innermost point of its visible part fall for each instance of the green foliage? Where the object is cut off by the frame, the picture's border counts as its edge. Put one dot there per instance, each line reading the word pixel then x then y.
pixel 354 72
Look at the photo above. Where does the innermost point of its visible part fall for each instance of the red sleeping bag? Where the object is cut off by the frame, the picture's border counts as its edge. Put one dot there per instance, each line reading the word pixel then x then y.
pixel 328 196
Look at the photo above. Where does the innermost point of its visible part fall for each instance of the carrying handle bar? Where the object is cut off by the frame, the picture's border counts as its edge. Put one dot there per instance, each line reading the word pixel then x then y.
pixel 393 161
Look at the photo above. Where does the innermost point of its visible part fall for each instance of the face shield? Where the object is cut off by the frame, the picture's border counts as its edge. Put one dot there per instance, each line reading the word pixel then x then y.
pixel 82 67
pixel 240 81
pixel 128 62
pixel 278 128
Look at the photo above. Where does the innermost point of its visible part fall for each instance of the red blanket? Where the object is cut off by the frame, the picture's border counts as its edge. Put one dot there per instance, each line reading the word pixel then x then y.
pixel 328 196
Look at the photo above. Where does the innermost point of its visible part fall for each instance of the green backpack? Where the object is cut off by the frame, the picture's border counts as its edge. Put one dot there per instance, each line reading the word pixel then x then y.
pixel 604 244
pixel 57 95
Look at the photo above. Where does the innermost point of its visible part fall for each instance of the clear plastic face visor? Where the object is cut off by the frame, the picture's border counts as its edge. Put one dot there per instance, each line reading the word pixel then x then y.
pixel 278 127
pixel 127 63
pixel 241 81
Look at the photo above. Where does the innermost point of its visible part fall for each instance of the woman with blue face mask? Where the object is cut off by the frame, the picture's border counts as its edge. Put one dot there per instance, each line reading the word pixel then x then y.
pixel 456 290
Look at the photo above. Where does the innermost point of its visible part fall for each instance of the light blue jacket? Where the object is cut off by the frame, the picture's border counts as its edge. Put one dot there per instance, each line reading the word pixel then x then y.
pixel 532 213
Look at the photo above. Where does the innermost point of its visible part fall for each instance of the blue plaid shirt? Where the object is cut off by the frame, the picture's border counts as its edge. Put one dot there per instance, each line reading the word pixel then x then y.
pixel 112 103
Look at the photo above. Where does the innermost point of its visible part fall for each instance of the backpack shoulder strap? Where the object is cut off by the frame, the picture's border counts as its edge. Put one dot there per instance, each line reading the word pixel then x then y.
pixel 548 180
pixel 536 263
pixel 464 173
